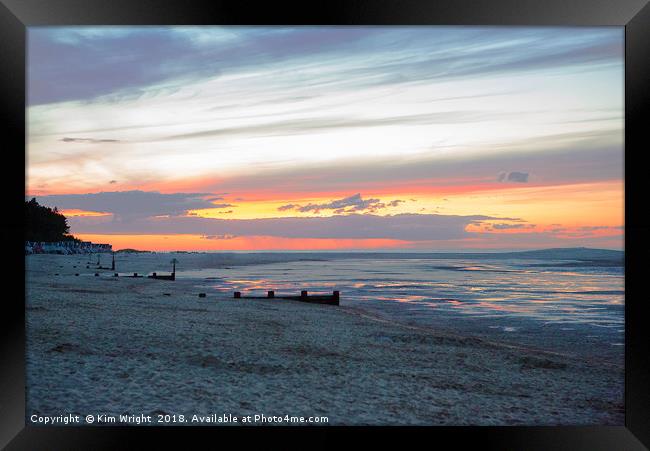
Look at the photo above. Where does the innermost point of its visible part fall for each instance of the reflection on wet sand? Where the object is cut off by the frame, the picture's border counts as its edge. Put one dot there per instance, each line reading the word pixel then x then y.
pixel 528 302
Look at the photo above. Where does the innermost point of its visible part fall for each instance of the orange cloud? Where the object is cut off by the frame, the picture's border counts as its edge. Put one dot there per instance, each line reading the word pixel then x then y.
pixel 83 213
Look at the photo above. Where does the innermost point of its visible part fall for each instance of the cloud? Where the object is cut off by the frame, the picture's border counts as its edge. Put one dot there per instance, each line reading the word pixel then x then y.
pixel 517 177
pixel 304 126
pixel 592 228
pixel 557 159
pixel 512 226
pixel 135 58
pixel 219 237
pixel 303 77
pixel 112 182
pixel 355 202
pixel 395 203
pixel 129 60
pixel 214 198
pixel 409 227
pixel 132 205
pixel 530 50
pixel 288 207
pixel 88 140
pixel 347 205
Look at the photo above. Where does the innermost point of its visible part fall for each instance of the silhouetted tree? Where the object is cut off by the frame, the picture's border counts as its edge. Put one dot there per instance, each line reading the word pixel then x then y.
pixel 45 224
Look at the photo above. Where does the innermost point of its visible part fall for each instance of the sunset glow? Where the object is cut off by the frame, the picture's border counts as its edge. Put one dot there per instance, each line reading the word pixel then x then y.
pixel 329 138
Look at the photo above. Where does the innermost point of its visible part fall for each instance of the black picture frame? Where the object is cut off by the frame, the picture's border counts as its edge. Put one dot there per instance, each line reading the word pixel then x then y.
pixel 634 15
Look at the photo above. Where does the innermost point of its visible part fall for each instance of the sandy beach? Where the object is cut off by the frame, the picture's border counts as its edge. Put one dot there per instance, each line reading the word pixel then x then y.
pixel 117 345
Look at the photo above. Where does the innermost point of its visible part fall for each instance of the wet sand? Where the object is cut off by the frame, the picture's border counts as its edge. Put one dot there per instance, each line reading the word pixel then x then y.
pixel 141 346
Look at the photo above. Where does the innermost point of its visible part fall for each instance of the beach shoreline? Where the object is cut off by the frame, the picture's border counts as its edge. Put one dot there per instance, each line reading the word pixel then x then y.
pixel 120 345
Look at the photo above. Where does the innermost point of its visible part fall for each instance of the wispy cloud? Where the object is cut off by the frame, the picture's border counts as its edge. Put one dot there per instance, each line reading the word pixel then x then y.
pixel 219 237
pixel 88 140
pixel 517 177
pixel 133 58
pixel 303 126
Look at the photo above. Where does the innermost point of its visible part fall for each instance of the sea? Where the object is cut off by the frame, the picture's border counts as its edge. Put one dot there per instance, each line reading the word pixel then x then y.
pixel 551 302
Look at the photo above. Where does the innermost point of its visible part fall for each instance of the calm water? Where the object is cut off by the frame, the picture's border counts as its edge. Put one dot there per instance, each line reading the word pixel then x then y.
pixel 577 310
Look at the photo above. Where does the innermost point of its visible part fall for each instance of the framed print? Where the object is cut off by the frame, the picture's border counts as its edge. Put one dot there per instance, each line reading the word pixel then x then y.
pixel 395 218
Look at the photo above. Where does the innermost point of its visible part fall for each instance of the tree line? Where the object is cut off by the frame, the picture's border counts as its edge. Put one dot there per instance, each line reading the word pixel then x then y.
pixel 45 224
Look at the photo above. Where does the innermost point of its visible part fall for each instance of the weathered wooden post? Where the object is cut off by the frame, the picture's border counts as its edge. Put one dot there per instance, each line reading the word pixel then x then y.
pixel 174 268
pixel 113 264
pixel 270 294
pixel 154 274
pixel 237 294
pixel 336 295
pixel 303 294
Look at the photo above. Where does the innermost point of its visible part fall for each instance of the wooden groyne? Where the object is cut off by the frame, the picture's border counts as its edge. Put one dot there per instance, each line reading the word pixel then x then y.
pixel 171 276
pixel 329 299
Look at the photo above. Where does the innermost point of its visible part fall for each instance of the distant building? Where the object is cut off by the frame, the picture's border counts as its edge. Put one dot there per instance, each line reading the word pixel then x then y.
pixel 66 247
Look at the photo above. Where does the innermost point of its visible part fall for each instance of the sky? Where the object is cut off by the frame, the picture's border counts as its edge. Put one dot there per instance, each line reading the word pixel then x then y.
pixel 329 138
